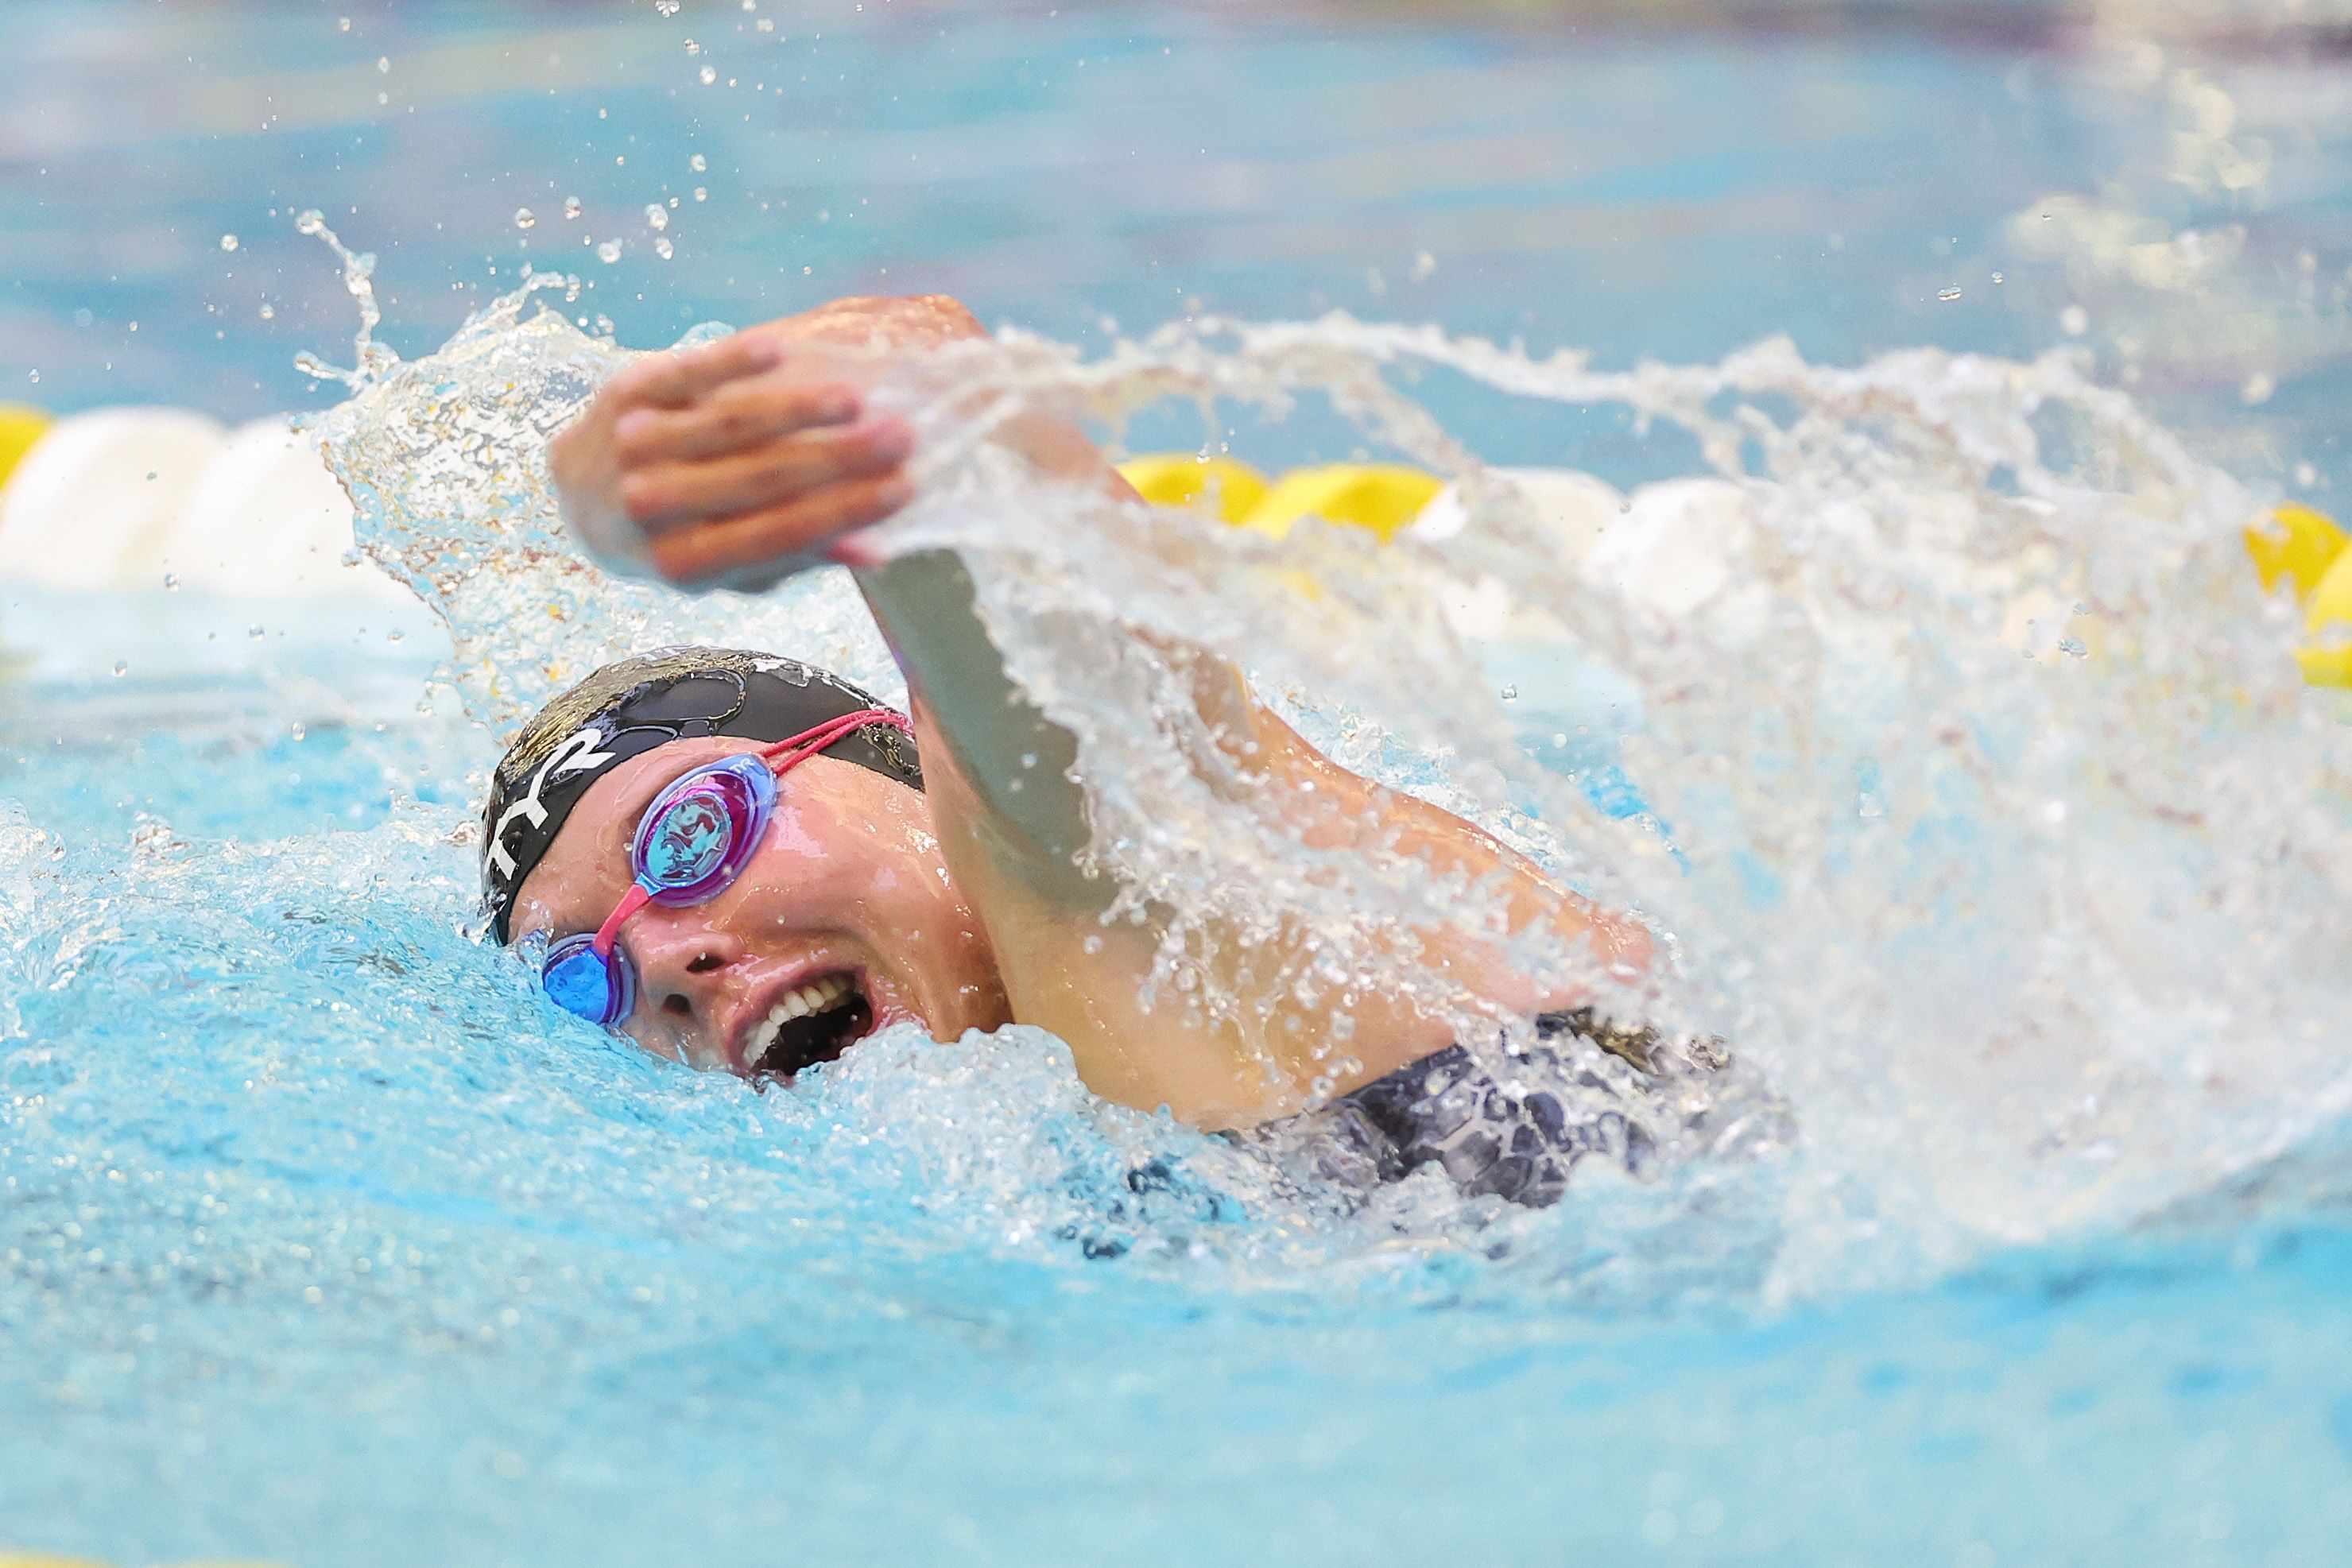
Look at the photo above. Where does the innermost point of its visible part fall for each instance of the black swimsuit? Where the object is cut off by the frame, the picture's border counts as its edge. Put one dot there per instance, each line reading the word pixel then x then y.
pixel 1491 1132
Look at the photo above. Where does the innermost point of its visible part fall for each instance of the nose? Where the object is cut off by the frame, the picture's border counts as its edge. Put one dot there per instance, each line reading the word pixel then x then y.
pixel 682 966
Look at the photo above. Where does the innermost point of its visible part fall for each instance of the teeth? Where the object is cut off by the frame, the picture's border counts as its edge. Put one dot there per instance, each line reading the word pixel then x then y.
pixel 799 1002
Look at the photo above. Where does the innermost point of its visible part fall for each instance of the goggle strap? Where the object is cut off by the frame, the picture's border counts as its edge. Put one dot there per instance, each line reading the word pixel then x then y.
pixel 811 741
pixel 636 898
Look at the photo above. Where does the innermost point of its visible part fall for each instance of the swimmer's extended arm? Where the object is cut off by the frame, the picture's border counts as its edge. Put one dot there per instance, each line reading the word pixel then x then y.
pixel 744 461
pixel 1012 825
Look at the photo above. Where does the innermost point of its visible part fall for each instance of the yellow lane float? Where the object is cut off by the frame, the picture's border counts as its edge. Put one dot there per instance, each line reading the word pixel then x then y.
pixel 19 428
pixel 2307 549
pixel 1382 497
pixel 1221 484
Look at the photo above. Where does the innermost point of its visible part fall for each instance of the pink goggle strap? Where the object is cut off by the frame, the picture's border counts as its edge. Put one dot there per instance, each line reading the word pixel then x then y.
pixel 794 750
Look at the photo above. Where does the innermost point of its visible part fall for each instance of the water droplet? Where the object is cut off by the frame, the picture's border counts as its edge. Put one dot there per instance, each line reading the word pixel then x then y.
pixel 710 74
pixel 698 163
pixel 1997 278
pixel 171 583
pixel 394 635
pixel 383 65
pixel 525 217
pixel 2072 646
pixel 2259 389
pixel 609 252
pixel 692 47
pixel 345 23
pixel 664 249
pixel 228 242
pixel 656 216
pixel 2306 475
pixel 1510 694
pixel 253 630
pixel 1028 759
pixel 571 207
pixel 37 375
pixel 667 8
pixel 122 667
pixel 1092 944
pixel 311 222
pixel 2073 320
pixel 269 311
pixel 299 730
pixel 1947 294
pixel 700 195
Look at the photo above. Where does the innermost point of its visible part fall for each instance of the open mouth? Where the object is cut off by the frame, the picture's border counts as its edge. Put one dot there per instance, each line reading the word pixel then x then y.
pixel 809 1023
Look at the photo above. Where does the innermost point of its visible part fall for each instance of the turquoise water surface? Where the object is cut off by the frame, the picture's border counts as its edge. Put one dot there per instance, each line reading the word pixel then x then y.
pixel 323 1240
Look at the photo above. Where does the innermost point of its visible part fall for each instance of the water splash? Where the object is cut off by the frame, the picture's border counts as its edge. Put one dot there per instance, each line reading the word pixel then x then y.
pixel 2004 840
pixel 444 460
pixel 370 359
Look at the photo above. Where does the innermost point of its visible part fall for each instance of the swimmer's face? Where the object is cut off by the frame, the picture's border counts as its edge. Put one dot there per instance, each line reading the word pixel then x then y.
pixel 848 885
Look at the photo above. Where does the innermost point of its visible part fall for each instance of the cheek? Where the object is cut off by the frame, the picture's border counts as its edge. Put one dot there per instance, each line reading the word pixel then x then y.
pixel 904 884
pixel 797 834
pixel 824 866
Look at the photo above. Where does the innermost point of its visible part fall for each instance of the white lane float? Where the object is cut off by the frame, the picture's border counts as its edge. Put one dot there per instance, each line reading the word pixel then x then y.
pixel 124 499
pixel 90 505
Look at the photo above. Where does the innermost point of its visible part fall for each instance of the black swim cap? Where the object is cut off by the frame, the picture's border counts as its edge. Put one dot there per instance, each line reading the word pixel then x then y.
pixel 626 709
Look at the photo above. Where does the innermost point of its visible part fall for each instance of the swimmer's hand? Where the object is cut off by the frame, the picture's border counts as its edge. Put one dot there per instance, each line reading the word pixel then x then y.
pixel 733 465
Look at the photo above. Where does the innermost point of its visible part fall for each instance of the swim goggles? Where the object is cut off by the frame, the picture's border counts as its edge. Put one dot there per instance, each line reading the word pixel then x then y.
pixel 691 845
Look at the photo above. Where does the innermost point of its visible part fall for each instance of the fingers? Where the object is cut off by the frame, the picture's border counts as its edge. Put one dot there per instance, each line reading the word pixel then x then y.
pixel 673 495
pixel 768 539
pixel 678 378
pixel 738 416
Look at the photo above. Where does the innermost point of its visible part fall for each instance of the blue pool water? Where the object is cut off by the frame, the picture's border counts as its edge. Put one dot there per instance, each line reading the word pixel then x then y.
pixel 322 1240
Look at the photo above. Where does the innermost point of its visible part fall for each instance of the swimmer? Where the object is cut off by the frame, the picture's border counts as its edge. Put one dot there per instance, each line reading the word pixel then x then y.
pixel 744 864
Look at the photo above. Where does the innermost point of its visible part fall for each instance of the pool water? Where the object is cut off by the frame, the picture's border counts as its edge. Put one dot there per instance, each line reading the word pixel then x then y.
pixel 323 1240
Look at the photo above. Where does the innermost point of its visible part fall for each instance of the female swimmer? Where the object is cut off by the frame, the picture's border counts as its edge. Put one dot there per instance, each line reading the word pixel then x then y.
pixel 738 861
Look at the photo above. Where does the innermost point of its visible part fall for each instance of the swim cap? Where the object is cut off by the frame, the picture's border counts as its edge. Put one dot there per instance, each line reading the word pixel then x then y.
pixel 626 709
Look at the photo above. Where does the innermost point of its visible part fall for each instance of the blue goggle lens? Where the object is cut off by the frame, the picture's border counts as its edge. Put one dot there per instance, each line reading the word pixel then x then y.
pixel 586 984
